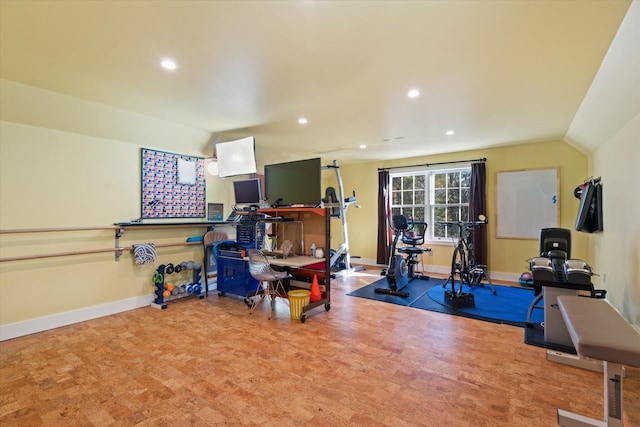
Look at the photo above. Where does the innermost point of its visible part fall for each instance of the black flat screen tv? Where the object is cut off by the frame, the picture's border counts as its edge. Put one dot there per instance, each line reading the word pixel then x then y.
pixel 294 183
pixel 247 191
pixel 589 218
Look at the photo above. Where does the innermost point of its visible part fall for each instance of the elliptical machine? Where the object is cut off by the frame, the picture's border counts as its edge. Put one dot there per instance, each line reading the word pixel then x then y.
pixel 398 272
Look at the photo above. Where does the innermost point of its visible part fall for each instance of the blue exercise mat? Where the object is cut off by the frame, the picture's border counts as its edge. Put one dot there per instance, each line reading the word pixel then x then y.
pixel 509 305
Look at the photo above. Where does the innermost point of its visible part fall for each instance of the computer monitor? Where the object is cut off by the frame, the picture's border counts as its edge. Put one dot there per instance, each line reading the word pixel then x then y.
pixel 294 183
pixel 589 217
pixel 248 191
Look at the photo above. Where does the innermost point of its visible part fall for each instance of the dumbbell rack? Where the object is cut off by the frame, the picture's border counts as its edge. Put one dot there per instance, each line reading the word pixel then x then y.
pixel 193 289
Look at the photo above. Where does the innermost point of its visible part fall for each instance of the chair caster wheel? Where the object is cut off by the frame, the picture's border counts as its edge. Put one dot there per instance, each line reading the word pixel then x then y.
pixel 327 306
pixel 220 293
pixel 303 317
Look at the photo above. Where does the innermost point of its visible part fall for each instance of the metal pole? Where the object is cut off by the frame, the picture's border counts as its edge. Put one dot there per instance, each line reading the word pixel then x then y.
pixel 343 217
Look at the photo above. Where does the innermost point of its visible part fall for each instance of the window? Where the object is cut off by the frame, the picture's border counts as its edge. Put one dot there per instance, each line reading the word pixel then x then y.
pixel 432 196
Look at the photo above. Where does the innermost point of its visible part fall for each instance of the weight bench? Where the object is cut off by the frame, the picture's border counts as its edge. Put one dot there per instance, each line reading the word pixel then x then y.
pixel 598 331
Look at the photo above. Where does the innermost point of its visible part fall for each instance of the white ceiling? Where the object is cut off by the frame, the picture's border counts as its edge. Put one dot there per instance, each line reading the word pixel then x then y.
pixel 497 72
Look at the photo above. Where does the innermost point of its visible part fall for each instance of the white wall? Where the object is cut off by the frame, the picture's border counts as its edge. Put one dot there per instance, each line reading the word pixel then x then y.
pixel 66 162
pixel 616 250
pixel 609 119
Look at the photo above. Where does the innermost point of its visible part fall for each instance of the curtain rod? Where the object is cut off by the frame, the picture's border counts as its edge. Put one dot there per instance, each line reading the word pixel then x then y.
pixel 484 159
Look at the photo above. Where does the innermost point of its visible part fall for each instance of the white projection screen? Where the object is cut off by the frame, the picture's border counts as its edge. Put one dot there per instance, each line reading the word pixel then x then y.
pixel 236 157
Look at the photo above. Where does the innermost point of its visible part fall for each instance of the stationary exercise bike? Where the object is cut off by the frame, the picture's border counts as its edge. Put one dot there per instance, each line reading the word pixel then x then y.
pixel 463 265
pixel 400 271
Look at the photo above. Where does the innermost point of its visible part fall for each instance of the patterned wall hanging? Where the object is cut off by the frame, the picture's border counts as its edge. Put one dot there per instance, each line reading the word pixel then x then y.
pixel 173 185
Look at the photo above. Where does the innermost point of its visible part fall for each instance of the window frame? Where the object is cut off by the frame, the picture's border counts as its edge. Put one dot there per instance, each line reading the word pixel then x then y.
pixel 428 206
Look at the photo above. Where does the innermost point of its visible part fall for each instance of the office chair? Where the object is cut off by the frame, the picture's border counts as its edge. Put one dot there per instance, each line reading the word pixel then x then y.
pixel 269 280
pixel 210 261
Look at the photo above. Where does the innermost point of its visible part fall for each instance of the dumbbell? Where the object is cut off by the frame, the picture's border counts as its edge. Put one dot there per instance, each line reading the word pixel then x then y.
pixel 168 269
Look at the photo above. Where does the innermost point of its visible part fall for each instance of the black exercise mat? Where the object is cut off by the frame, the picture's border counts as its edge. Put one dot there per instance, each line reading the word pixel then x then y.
pixel 508 306
pixel 416 289
pixel 534 335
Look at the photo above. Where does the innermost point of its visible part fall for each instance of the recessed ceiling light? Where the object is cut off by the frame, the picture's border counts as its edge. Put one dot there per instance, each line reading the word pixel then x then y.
pixel 449 132
pixel 302 120
pixel 363 146
pixel 168 64
pixel 413 93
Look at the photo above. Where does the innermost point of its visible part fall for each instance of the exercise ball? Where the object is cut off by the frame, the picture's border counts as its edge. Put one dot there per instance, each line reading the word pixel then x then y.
pixel 526 276
pixel 526 279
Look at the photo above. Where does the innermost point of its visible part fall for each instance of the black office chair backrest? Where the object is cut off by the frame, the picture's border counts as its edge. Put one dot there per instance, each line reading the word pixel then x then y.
pixel 555 239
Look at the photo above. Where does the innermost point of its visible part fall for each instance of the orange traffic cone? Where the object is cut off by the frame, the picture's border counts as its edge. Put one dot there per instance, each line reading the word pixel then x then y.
pixel 315 290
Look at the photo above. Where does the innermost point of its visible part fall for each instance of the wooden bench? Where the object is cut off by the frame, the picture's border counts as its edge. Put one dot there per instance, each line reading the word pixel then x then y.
pixel 598 331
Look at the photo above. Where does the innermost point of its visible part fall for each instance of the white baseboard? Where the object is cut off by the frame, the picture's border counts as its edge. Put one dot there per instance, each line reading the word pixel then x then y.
pixel 40 324
pixel 441 269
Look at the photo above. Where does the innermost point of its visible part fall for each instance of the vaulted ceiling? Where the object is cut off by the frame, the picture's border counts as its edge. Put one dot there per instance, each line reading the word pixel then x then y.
pixel 494 72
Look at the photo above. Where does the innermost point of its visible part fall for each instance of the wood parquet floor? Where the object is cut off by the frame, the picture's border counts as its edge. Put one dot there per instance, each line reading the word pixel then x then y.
pixel 364 363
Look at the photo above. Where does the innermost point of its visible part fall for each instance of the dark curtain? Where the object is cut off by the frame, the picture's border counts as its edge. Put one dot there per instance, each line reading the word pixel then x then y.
pixel 382 256
pixel 478 206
